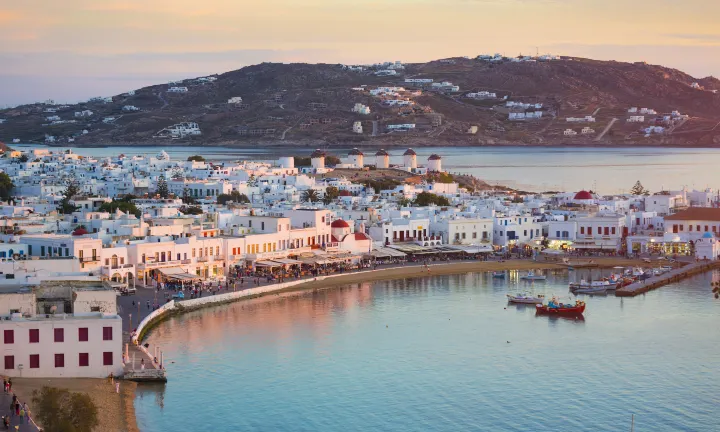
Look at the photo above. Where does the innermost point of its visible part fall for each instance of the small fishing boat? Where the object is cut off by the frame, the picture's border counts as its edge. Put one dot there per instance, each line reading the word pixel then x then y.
pixel 531 276
pixel 554 307
pixel 526 299
pixel 594 286
pixel 498 275
pixel 591 290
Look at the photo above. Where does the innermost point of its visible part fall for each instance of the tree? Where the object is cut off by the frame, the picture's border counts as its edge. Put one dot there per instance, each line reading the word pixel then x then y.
pixel 331 194
pixel 187 197
pixel 332 160
pixel 23 158
pixel 59 410
pixel 638 189
pixel 191 210
pixel 122 205
pixel 6 186
pixel 424 199
pixel 301 161
pixel 252 181
pixel 234 196
pixel 310 196
pixel 72 188
pixel 177 173
pixel 196 158
pixel 404 202
pixel 162 187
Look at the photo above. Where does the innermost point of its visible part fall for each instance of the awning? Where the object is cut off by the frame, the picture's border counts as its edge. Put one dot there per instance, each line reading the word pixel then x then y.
pixel 267 264
pixel 471 249
pixel 177 273
pixel 287 261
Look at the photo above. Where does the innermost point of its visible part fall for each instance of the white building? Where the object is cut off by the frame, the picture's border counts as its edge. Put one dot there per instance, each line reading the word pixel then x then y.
pixel 434 163
pixel 569 132
pixel 361 109
pixel 61 329
pixel 410 159
pixel 236 100
pixel 357 127
pixel 84 113
pixel 130 108
pixel 636 119
pixel 317 159
pixel 177 90
pixel 601 232
pixel 382 159
pixel 587 131
pixel 356 158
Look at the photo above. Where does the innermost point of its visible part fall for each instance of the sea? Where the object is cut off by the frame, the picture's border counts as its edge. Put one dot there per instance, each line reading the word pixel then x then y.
pixel 442 353
pixel 536 169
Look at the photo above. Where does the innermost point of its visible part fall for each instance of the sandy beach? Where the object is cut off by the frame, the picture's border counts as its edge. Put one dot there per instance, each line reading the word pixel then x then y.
pixel 115 410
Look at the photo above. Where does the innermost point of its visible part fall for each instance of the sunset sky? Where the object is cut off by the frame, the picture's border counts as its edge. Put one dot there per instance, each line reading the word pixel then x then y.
pixel 74 49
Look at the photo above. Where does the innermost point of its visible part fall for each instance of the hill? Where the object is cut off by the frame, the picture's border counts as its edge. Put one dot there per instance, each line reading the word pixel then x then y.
pixel 467 103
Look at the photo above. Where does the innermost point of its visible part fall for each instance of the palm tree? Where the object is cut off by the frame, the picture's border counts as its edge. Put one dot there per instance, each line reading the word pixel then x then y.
pixel 310 196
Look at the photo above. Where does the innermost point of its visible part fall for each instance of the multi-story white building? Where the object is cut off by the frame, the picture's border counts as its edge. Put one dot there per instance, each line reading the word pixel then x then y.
pixel 600 232
pixel 61 329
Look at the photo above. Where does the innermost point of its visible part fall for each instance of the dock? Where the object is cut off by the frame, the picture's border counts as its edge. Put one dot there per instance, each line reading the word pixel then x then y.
pixel 140 365
pixel 676 275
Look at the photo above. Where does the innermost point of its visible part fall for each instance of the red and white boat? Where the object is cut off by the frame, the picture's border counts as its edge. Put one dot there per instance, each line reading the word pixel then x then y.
pixel 554 307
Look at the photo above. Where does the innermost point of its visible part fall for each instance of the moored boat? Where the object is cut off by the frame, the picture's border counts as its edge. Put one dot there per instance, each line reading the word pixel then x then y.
pixel 533 277
pixel 591 290
pixel 498 275
pixel 526 299
pixel 554 307
pixel 593 286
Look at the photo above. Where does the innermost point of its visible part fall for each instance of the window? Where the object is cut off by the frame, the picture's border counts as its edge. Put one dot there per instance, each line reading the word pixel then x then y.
pixel 59 335
pixel 697 227
pixel 59 360
pixel 83 334
pixel 613 230
pixel 474 235
pixel 217 250
pixel 9 362
pixel 34 335
pixel 34 361
pixel 689 227
pixel 582 230
pixel 9 336
pixel 557 234
pixel 107 358
pixel 607 231
pixel 599 231
pixel 107 333
pixel 675 229
pixel 706 228
pixel 83 359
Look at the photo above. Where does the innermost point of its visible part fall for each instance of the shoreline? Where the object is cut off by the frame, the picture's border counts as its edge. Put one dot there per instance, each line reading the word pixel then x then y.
pixel 378 145
pixel 388 273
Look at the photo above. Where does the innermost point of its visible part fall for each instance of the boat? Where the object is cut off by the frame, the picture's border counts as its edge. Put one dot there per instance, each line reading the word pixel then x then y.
pixel 526 299
pixel 594 286
pixel 498 275
pixel 533 277
pixel 592 290
pixel 554 307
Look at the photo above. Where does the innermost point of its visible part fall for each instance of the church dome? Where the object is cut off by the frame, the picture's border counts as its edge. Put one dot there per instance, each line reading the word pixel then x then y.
pixel 583 195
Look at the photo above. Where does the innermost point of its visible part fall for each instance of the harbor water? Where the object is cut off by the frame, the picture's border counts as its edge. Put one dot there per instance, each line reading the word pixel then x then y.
pixel 537 169
pixel 441 353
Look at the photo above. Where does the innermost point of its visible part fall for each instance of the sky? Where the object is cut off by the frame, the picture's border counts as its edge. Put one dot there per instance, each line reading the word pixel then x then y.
pixel 71 50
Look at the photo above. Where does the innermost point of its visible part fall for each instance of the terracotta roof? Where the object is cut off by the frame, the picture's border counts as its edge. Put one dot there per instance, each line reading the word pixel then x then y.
pixel 696 214
pixel 79 232
pixel 339 223
pixel 583 195
pixel 361 236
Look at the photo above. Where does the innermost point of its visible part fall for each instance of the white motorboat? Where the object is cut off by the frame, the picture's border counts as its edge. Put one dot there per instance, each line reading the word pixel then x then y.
pixel 591 290
pixel 531 276
pixel 526 299
pixel 498 275
pixel 591 285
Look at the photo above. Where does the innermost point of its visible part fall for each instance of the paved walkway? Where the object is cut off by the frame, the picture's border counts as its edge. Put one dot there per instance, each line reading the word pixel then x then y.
pixel 5 401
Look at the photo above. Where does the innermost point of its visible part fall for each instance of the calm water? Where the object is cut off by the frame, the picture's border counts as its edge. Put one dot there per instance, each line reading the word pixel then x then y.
pixel 535 169
pixel 432 354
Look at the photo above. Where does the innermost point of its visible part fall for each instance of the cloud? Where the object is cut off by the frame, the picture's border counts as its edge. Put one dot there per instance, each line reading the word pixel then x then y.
pixel 7 16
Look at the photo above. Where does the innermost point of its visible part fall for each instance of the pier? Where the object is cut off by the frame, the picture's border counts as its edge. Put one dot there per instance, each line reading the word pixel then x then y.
pixel 137 356
pixel 676 275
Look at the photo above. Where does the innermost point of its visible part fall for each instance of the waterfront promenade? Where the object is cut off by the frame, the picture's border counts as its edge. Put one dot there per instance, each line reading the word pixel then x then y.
pixel 676 275
pixel 25 426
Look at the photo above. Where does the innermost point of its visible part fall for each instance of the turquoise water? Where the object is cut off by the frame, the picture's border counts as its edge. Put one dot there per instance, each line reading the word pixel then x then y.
pixel 441 353
pixel 608 170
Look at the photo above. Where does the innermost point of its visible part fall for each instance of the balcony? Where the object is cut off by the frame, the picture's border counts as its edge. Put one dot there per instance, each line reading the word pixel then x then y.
pixel 89 259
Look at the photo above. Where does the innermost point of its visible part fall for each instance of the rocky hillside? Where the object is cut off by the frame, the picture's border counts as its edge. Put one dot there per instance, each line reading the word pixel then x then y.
pixel 290 104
